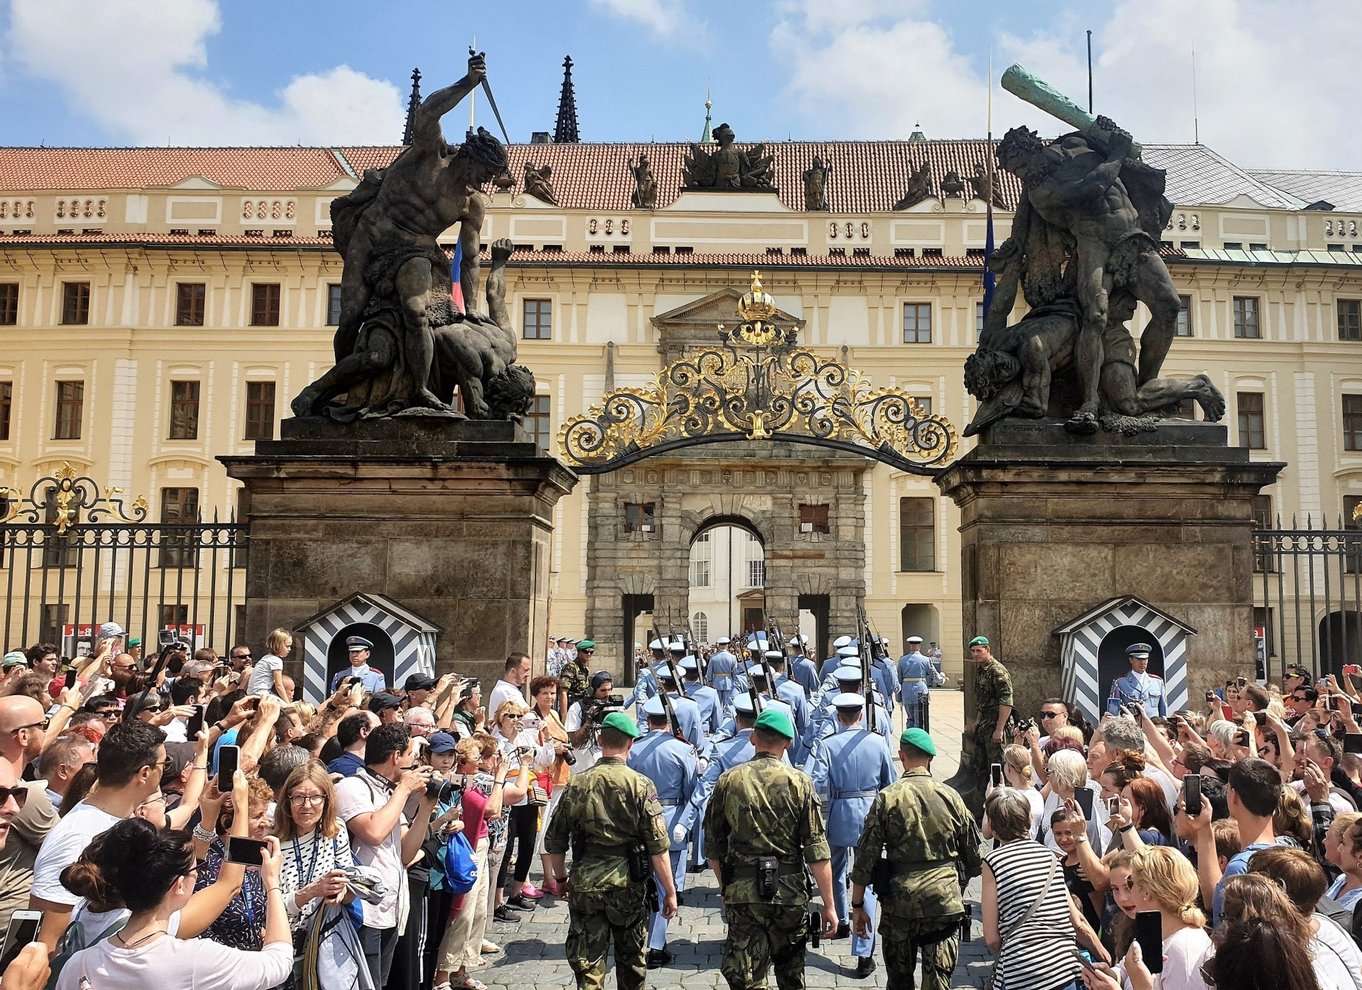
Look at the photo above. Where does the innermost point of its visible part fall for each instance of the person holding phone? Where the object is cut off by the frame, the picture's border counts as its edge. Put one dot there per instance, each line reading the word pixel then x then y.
pixel 239 925
pixel 1165 885
pixel 1068 781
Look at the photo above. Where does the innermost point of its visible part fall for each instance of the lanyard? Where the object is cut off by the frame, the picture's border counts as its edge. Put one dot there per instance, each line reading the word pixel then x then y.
pixel 298 859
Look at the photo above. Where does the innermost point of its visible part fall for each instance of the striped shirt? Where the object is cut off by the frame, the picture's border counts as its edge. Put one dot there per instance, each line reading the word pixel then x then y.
pixel 1039 955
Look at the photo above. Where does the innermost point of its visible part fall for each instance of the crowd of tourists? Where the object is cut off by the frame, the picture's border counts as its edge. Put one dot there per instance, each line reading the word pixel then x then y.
pixel 180 819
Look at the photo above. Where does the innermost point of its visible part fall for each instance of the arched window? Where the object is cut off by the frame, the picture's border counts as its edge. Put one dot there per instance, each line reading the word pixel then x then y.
pixel 699 627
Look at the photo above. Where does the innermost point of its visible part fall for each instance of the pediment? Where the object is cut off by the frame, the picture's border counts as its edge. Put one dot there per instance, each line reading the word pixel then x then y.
pixel 196 182
pixel 709 311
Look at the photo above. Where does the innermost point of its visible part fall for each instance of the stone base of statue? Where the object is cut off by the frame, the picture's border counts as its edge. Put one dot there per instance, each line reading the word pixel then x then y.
pixel 1054 525
pixel 450 519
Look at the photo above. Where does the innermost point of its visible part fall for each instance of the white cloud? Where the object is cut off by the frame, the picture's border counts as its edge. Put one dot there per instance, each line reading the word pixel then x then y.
pixel 1272 90
pixel 664 18
pixel 135 67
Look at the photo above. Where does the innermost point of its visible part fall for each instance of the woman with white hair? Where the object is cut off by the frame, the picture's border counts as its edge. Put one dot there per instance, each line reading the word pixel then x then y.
pixel 1229 741
pixel 1068 772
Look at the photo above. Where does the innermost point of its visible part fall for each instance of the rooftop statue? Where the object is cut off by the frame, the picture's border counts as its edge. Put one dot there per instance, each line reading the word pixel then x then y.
pixel 1084 250
pixel 919 188
pixel 645 184
pixel 816 185
pixel 539 183
pixel 727 167
pixel 396 305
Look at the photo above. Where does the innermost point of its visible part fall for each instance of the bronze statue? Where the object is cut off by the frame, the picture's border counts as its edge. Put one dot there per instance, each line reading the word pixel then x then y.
pixel 919 188
pixel 727 167
pixel 951 186
pixel 979 183
pixel 816 186
pixel 538 183
pixel 645 185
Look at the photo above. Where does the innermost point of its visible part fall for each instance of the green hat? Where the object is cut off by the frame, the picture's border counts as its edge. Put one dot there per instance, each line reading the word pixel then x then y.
pixel 918 739
pixel 979 641
pixel 586 644
pixel 621 722
pixel 774 720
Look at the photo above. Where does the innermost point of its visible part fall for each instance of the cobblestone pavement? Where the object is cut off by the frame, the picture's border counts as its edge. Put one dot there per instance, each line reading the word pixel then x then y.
pixel 533 955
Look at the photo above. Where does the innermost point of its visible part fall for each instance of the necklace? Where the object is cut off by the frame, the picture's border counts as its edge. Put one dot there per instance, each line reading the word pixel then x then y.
pixel 138 941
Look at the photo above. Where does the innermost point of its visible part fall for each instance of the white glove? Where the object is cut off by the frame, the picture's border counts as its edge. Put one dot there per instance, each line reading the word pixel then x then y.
pixel 701 765
pixel 678 833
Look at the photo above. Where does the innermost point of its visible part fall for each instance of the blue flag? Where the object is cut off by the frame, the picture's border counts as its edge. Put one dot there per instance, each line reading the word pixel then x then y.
pixel 989 277
pixel 455 273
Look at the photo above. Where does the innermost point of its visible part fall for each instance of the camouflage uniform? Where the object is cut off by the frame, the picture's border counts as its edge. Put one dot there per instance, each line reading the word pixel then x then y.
pixel 574 680
pixel 604 810
pixel 927 830
pixel 764 808
pixel 992 690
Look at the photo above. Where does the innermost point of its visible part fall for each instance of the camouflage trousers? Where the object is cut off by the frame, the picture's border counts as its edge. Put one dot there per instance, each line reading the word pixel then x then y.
pixel 984 752
pixel 761 936
pixel 902 938
pixel 595 919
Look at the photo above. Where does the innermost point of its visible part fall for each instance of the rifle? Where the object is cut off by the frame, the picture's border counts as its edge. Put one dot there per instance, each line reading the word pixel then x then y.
pixel 676 676
pixel 867 682
pixel 671 713
pixel 693 648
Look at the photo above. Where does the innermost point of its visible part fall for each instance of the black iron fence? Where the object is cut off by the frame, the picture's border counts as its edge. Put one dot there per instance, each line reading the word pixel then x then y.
pixel 1308 596
pixel 73 557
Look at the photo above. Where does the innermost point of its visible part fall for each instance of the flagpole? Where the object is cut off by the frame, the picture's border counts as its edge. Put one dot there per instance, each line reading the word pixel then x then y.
pixel 988 185
pixel 472 96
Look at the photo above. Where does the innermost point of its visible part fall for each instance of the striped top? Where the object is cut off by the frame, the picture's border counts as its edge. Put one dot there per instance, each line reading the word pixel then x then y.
pixel 1040 955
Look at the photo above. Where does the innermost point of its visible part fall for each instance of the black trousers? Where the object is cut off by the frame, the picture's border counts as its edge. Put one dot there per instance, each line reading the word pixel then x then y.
pixel 521 829
pixel 407 972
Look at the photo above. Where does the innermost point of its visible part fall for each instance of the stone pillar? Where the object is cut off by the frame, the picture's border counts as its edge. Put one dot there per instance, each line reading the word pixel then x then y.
pixel 1052 525
pixel 453 519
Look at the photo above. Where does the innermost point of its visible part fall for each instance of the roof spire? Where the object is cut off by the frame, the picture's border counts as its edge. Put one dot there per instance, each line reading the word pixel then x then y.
pixel 565 130
pixel 917 134
pixel 413 104
pixel 707 136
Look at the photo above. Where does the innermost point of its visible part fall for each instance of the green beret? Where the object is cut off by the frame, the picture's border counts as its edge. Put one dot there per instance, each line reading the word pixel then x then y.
pixel 979 641
pixel 918 739
pixel 586 644
pixel 774 720
pixel 621 722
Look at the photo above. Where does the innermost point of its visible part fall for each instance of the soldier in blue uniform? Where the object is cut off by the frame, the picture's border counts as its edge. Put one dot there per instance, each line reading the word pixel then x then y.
pixel 848 770
pixel 915 680
pixel 847 656
pixel 688 717
pixel 705 697
pixel 1139 687
pixel 823 721
pixel 884 673
pixel 371 678
pixel 788 691
pixel 646 685
pixel 803 671
pixel 671 765
pixel 833 662
pixel 722 666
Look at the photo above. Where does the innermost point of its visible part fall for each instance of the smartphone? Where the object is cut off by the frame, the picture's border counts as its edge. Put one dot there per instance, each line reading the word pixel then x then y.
pixel 1352 742
pixel 1191 794
pixel 1084 798
pixel 352 681
pixel 995 774
pixel 23 928
pixel 70 678
pixel 251 852
pixel 1260 718
pixel 1241 681
pixel 227 765
pixel 194 724
pixel 1210 696
pixel 1149 935
pixel 1330 703
pixel 1113 806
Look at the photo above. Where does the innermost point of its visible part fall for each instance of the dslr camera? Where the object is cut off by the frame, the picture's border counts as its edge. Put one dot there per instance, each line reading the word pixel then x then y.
pixel 601 707
pixel 443 791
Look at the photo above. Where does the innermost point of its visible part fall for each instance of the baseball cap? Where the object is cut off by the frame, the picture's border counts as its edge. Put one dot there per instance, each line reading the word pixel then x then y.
pixel 111 629
pixel 442 742
pixel 601 677
pixel 418 682
pixel 14 658
pixel 383 700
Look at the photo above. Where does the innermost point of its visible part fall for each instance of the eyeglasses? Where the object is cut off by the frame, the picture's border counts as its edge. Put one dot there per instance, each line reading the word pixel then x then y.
pixel 16 794
pixel 31 725
pixel 158 799
pixel 107 713
pixel 1045 715
pixel 299 800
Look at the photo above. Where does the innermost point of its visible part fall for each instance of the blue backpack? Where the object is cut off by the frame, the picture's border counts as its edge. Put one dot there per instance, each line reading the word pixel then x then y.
pixel 460 870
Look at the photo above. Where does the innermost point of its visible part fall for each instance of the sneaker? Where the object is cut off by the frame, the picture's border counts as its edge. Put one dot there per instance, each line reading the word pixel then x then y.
pixel 531 891
pixel 521 903
pixel 487 949
pixel 504 913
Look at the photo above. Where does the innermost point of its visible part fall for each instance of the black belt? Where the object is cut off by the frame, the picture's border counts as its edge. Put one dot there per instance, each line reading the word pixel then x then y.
pixel 782 870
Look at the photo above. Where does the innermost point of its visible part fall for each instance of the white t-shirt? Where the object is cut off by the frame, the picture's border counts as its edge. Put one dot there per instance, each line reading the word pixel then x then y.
pixel 502 692
pixel 262 676
pixel 1338 961
pixel 173 962
pixel 359 795
pixel 588 754
pixel 63 846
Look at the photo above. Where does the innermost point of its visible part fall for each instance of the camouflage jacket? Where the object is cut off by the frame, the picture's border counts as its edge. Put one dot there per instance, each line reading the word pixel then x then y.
pixel 992 690
pixel 604 810
pixel 926 829
pixel 574 680
pixel 765 808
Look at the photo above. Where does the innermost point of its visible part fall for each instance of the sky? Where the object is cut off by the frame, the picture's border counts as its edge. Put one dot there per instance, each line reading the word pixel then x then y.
pixel 1275 87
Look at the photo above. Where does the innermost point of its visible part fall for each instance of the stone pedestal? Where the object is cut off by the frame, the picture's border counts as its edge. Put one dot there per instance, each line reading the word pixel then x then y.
pixel 1053 524
pixel 451 519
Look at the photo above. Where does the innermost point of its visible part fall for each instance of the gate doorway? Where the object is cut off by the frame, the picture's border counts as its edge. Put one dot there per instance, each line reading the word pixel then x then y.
pixel 727 564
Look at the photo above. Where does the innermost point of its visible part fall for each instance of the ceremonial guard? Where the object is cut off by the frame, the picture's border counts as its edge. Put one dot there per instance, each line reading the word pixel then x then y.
pixel 823 723
pixel 803 671
pixel 847 656
pixel 763 833
pixel 838 657
pixel 919 847
pixel 705 697
pixel 670 764
pixel 370 678
pixel 788 691
pixel 722 668
pixel 645 685
pixel 688 717
pixel 915 680
pixel 884 672
pixel 848 770
pixel 993 707
pixel 1139 687
pixel 611 818
pixel 757 677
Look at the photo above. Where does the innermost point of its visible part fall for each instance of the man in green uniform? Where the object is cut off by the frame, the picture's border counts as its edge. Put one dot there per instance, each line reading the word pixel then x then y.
pixel 574 680
pixel 762 826
pixel 924 830
pixel 611 817
pixel 993 707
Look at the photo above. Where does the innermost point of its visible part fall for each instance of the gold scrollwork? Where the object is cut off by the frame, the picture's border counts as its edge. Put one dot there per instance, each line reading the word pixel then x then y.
pixel 68 499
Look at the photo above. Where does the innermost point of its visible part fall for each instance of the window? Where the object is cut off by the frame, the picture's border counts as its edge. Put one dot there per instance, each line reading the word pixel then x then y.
pixel 1184 326
pixel 60 549
pixel 638 517
pixel 699 627
pixel 756 573
pixel 1352 422
pixel 1262 519
pixel 333 304
pixel 537 422
pixel 1252 422
pixel 917 534
pixel 1246 318
pixel 1350 319
pixel 1263 619
pixel 70 405
pixel 75 302
pixel 814 519
pixel 54 619
pixel 1353 560
pixel 917 323
pixel 9 303
pixel 179 508
pixel 6 408
pixel 184 411
pixel 265 304
pixel 259 411
pixel 978 320
pixel 189 300
pixel 538 322
pixel 924 404
pixel 171 616
pixel 701 558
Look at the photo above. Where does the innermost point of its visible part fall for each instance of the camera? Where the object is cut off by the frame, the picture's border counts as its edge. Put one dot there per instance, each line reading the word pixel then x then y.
pixel 601 707
pixel 1025 724
pixel 442 791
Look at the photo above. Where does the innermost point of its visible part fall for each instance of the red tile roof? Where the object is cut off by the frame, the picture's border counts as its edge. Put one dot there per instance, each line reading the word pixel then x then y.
pixel 81 169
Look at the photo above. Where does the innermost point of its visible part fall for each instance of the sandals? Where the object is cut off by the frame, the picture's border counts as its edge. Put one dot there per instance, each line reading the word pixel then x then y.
pixel 468 983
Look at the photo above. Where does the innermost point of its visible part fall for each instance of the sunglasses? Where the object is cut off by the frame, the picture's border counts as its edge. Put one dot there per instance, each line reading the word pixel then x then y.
pixel 16 794
pixel 241 656
pixel 31 725
pixel 1045 715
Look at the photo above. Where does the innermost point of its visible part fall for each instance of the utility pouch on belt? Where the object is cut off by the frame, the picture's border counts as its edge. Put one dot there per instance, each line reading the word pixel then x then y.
pixel 882 876
pixel 766 876
pixel 640 863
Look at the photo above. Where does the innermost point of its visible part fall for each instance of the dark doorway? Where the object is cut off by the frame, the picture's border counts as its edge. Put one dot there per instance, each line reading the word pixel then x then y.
pixel 1111 657
pixel 1340 641
pixel 818 606
pixel 380 657
pixel 632 606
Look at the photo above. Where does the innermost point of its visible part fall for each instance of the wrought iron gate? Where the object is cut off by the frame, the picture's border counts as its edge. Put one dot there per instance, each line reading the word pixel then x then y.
pixel 73 556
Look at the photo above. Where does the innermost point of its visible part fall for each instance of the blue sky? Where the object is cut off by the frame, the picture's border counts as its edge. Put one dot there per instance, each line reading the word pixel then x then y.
pixel 82 72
